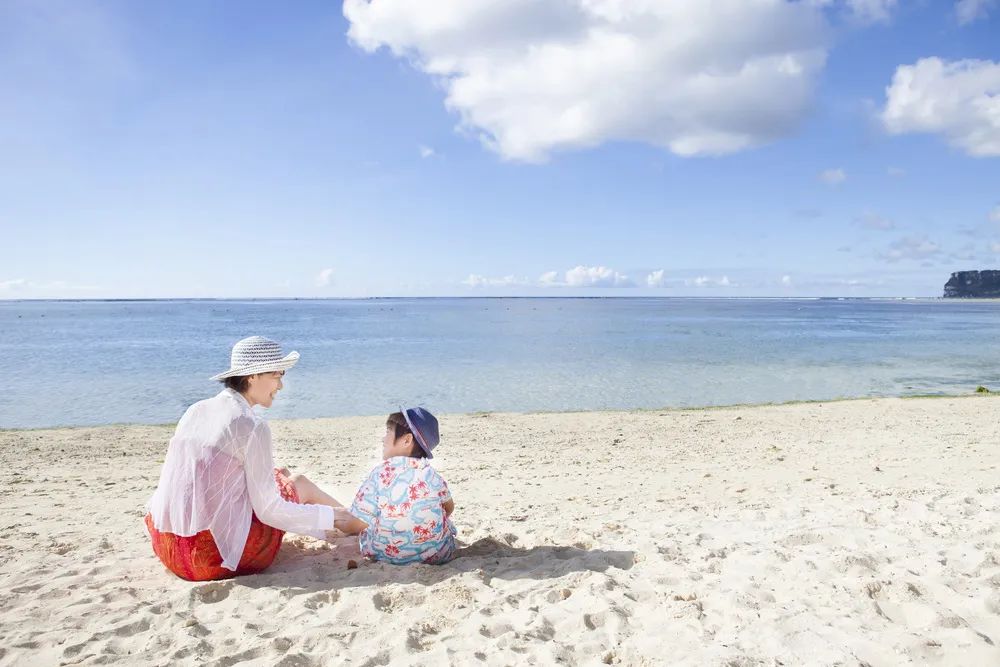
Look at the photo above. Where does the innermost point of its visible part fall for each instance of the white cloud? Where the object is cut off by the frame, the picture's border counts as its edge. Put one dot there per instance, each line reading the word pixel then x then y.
pixel 871 220
pixel 833 176
pixel 995 214
pixel 895 172
pixel 960 100
pixel 596 276
pixel 549 279
pixel 655 279
pixel 476 280
pixel 707 281
pixel 586 276
pixel 426 152
pixel 51 289
pixel 697 77
pixel 911 248
pixel 324 278
pixel 995 248
pixel 967 11
pixel 786 281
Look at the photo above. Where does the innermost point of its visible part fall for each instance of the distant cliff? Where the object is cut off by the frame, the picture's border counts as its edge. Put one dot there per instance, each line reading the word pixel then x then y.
pixel 973 285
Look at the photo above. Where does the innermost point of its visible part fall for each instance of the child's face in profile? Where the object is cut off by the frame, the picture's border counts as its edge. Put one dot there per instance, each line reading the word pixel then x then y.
pixel 393 446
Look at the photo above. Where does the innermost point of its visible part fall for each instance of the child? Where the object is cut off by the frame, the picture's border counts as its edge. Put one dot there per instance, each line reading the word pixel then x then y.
pixel 404 507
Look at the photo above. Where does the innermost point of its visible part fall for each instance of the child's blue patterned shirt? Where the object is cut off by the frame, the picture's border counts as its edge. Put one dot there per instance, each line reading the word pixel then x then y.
pixel 401 501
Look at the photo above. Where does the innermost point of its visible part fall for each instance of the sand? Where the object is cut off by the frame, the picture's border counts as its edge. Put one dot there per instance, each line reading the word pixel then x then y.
pixel 856 532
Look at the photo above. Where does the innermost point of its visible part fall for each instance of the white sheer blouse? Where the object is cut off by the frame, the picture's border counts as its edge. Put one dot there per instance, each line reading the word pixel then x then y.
pixel 219 469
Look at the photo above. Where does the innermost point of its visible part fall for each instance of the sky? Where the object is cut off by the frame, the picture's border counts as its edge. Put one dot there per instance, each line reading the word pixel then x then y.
pixel 187 149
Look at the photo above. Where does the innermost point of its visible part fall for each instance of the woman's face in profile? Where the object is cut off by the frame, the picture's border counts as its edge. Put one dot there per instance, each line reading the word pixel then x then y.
pixel 264 387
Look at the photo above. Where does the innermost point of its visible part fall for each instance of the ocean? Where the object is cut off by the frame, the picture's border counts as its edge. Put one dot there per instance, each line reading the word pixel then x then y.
pixel 103 362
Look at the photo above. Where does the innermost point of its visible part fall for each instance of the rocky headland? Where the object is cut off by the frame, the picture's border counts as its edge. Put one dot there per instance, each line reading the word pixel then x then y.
pixel 973 285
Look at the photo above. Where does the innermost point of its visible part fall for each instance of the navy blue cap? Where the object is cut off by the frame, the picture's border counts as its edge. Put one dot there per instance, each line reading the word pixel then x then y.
pixel 424 426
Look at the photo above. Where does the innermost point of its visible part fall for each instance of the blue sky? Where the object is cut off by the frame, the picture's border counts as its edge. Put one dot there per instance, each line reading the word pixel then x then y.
pixel 575 147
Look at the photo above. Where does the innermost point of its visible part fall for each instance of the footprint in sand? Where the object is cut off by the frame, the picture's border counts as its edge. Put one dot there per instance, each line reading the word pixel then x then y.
pixel 495 630
pixel 211 593
pixel 420 638
pixel 593 621
pixel 390 601
pixel 314 602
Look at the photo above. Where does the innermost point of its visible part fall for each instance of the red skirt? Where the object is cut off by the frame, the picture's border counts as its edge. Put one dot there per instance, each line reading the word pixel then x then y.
pixel 197 558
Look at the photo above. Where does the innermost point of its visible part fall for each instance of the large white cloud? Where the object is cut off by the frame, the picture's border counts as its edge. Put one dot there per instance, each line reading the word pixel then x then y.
pixel 960 100
pixel 697 77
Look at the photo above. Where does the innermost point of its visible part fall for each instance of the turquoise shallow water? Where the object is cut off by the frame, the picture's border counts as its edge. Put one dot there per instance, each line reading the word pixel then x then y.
pixel 99 362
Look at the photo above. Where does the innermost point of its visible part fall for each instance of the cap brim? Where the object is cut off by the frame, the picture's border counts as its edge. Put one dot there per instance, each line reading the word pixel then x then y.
pixel 280 365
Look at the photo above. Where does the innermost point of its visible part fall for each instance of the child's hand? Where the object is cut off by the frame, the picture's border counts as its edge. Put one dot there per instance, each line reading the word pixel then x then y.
pixel 448 506
pixel 347 522
pixel 285 471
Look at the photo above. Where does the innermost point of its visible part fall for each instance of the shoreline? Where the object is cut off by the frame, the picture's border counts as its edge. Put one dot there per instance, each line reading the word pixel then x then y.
pixel 822 533
pixel 805 401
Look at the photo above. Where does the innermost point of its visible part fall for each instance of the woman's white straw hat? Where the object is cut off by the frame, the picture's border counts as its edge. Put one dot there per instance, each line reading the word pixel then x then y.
pixel 257 354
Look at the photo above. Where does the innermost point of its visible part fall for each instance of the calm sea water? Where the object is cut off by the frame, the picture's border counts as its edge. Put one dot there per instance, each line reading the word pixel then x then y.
pixel 77 363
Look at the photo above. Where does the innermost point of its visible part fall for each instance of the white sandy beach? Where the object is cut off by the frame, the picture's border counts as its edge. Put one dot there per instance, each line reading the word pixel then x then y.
pixel 856 532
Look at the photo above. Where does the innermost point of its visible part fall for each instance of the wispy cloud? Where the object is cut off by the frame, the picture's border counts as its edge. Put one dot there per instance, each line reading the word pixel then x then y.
pixel 833 176
pixel 709 281
pixel 476 280
pixel 426 152
pixel 872 11
pixel 11 285
pixel 913 248
pixel 870 220
pixel 968 11
pixel 52 288
pixel 324 278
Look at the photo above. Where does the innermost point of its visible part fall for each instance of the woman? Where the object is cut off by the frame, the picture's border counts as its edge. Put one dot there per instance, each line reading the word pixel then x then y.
pixel 221 508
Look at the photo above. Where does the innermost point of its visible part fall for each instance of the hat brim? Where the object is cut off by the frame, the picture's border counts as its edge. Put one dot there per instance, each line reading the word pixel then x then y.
pixel 416 433
pixel 279 365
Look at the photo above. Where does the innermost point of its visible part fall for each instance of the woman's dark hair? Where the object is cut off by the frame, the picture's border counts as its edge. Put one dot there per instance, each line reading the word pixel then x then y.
pixel 400 428
pixel 239 383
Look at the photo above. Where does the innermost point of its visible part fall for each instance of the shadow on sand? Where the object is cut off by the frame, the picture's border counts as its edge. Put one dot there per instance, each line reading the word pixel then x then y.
pixel 302 567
